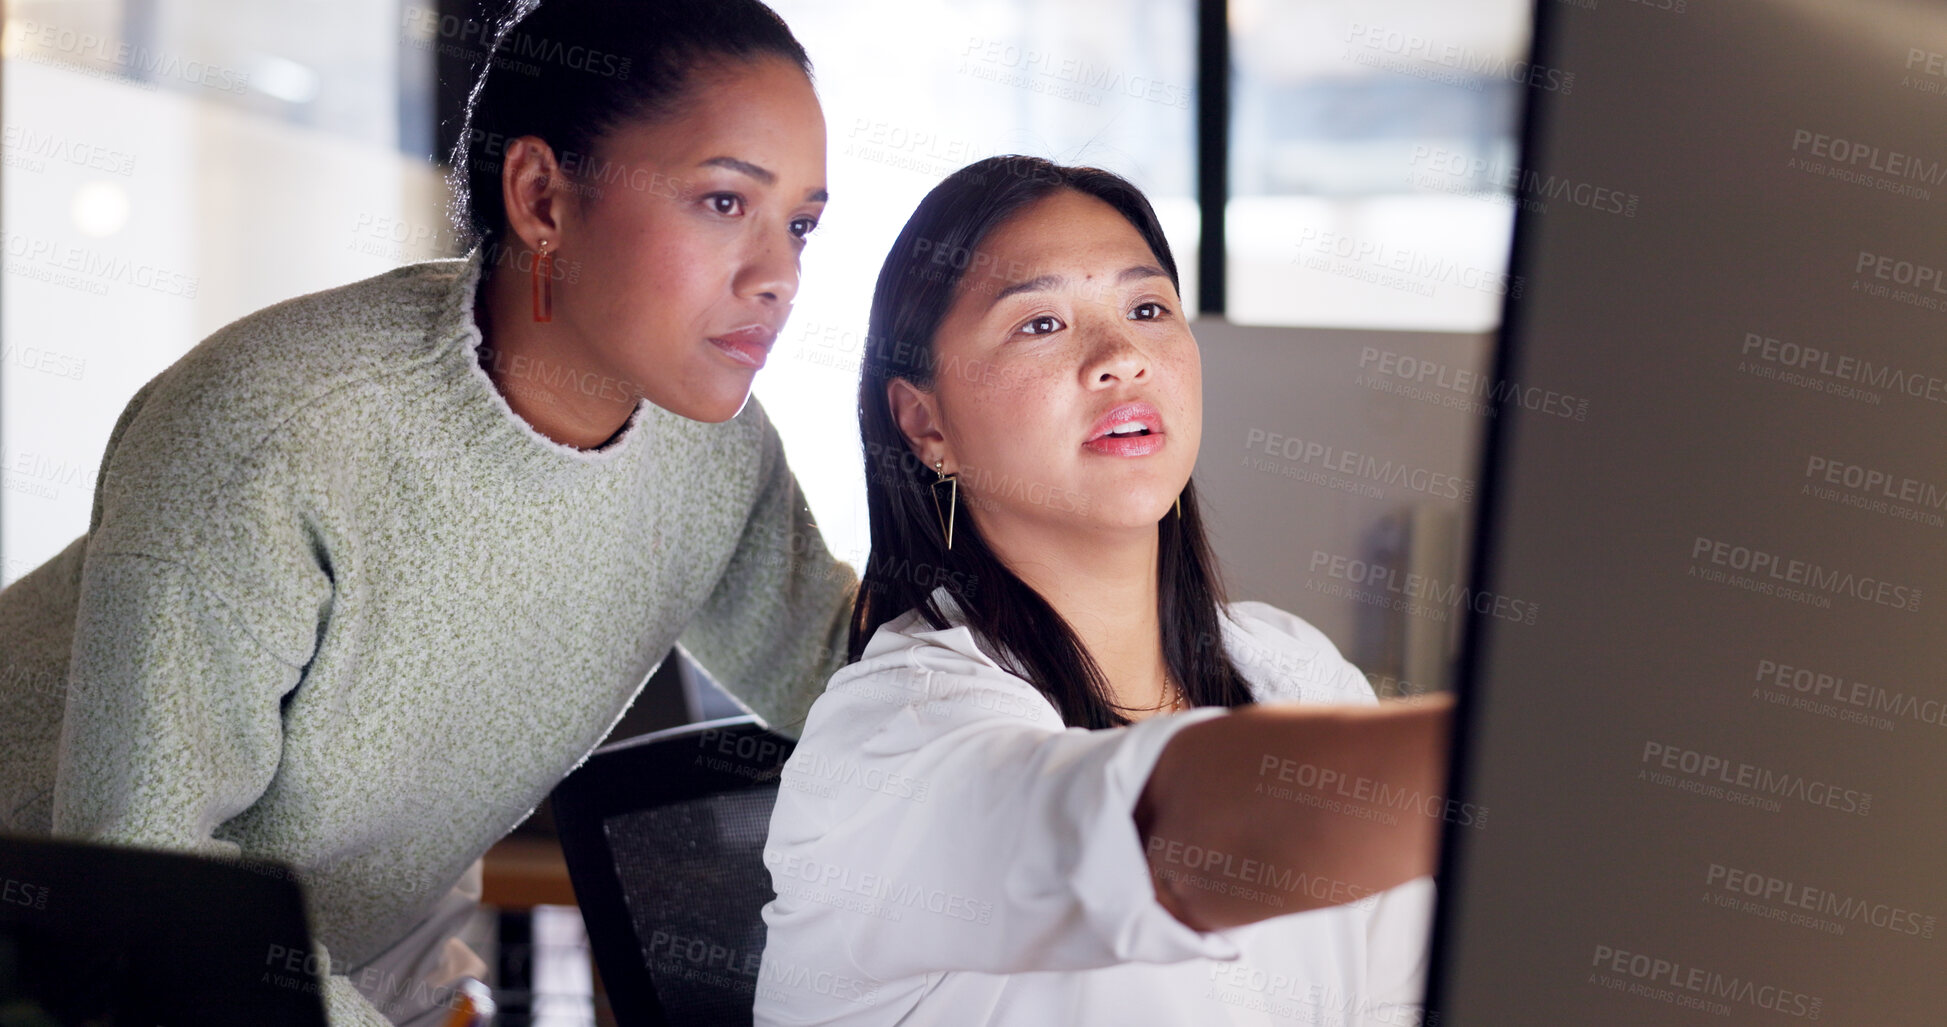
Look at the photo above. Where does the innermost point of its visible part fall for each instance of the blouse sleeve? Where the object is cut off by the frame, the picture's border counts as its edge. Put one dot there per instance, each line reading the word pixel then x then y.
pixel 938 816
pixel 1398 934
pixel 1286 659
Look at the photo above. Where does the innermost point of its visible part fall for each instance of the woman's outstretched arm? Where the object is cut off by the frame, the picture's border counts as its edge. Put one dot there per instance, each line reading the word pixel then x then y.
pixel 1312 805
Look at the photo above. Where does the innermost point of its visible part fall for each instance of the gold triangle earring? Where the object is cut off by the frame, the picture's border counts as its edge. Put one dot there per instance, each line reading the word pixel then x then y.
pixel 952 500
pixel 1179 506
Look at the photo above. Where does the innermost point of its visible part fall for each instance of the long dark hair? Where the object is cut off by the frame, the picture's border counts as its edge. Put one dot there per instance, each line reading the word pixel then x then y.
pixel 909 557
pixel 570 71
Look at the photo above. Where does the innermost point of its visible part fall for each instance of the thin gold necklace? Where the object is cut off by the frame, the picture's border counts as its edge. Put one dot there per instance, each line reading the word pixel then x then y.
pixel 1173 698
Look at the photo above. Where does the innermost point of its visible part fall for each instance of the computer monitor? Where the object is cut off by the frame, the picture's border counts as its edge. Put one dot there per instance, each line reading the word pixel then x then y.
pixel 1711 763
pixel 116 937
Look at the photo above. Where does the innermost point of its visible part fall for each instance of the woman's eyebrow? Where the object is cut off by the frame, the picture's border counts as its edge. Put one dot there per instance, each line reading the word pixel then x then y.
pixel 762 174
pixel 1039 283
pixel 1043 283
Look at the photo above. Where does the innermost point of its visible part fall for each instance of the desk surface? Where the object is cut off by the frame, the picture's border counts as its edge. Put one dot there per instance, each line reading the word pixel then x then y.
pixel 521 872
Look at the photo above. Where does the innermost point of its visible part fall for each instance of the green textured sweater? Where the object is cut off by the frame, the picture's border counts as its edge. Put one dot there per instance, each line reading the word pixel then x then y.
pixel 339 606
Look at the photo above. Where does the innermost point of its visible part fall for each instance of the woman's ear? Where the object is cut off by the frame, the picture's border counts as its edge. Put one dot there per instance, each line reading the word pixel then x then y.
pixel 533 188
pixel 916 411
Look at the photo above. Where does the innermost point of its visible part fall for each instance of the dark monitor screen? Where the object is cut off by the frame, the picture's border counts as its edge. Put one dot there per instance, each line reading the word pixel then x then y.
pixel 99 936
pixel 1712 764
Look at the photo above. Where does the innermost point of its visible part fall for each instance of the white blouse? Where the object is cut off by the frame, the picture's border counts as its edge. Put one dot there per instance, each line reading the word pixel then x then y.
pixel 946 851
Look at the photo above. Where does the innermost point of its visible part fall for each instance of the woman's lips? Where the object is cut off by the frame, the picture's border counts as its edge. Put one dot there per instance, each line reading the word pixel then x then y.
pixel 749 345
pixel 1101 441
pixel 1125 445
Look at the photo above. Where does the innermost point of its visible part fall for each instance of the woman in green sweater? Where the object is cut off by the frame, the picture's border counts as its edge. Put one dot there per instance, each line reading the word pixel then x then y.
pixel 370 570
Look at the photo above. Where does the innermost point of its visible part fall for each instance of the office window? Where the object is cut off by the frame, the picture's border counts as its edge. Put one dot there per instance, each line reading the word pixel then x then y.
pixel 170 167
pixel 1372 153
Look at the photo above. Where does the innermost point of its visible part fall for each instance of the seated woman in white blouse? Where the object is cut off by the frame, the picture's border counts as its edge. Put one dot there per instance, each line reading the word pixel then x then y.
pixel 1040 793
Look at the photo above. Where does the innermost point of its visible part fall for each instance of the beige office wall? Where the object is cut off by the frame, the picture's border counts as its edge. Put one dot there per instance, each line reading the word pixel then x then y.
pixel 139 220
pixel 1335 464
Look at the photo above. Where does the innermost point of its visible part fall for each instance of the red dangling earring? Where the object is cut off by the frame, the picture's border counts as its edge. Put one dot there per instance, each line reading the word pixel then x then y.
pixel 544 284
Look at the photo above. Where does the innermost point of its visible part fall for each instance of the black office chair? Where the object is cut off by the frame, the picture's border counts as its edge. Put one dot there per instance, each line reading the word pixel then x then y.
pixel 664 839
pixel 94 934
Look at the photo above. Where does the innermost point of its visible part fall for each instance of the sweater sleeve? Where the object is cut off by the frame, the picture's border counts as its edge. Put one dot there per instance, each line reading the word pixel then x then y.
pixel 173 722
pixel 774 627
pixel 344 1005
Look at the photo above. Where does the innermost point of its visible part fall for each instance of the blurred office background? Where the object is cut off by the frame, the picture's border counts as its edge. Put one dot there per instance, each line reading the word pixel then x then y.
pixel 172 165
pixel 199 160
